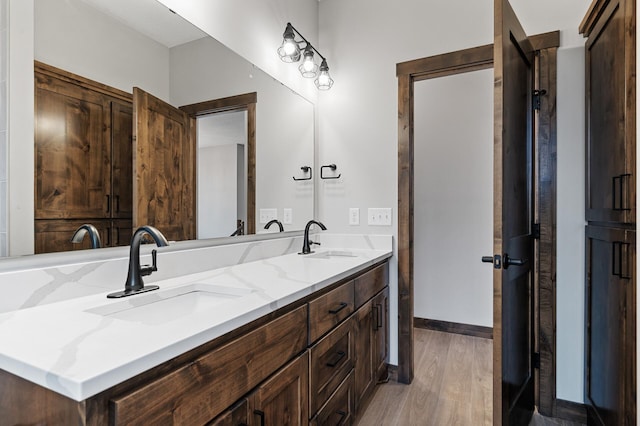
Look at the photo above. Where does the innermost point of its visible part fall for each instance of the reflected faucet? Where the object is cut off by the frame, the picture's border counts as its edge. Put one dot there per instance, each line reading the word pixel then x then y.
pixel 306 243
pixel 271 222
pixel 134 284
pixel 85 229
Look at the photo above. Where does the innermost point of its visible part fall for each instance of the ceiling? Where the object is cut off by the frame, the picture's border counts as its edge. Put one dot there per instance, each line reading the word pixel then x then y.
pixel 150 18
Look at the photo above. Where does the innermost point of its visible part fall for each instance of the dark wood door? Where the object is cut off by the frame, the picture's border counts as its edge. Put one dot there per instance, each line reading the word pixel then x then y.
pixel 164 155
pixel 513 384
pixel 363 347
pixel 610 329
pixel 610 195
pixel 121 159
pixel 72 151
pixel 283 400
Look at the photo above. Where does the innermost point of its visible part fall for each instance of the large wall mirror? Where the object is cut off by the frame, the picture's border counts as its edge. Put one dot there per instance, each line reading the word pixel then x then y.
pixel 256 145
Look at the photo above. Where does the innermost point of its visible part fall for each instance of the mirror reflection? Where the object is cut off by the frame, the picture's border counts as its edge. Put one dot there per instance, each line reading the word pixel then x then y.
pixel 205 145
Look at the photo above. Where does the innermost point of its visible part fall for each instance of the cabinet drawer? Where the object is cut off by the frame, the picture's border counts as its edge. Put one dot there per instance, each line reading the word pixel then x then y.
pixel 370 283
pixel 197 392
pixel 328 310
pixel 339 409
pixel 332 358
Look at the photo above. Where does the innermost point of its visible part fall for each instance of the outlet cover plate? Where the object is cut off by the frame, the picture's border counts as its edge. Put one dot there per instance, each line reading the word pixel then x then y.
pixel 354 216
pixel 287 216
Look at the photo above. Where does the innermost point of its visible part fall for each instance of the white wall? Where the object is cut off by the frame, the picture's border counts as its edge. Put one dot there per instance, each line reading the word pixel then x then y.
pixel 253 29
pixel 570 279
pixel 453 198
pixel 21 149
pixel 218 190
pixel 74 36
pixel 358 116
pixel 205 69
pixel 4 139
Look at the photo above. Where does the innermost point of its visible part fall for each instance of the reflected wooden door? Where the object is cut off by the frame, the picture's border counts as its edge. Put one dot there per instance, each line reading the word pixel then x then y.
pixel 513 383
pixel 164 164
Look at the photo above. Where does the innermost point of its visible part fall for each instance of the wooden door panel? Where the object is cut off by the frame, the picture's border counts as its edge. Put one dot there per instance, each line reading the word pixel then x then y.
pixel 72 153
pixel 165 167
pixel 513 384
pixel 122 159
pixel 54 235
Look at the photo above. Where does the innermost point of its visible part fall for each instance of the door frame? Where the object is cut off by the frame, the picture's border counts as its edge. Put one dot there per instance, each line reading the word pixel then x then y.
pixel 245 102
pixel 462 61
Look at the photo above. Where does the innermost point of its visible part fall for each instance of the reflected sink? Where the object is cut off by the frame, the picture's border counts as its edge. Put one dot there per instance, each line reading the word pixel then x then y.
pixel 332 254
pixel 168 305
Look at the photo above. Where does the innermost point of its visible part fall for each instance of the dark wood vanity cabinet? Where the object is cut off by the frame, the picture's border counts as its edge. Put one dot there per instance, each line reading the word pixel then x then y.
pixel 269 372
pixel 83 159
pixel 610 310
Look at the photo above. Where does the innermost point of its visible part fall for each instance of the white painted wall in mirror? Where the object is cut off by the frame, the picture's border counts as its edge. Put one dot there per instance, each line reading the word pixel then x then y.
pixel 4 57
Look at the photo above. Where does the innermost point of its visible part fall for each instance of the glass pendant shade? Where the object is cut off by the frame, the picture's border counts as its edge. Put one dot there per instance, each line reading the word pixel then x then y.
pixel 308 68
pixel 324 80
pixel 289 51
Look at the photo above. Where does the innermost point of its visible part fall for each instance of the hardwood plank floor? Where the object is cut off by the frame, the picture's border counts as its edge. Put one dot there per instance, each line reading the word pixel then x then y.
pixel 452 386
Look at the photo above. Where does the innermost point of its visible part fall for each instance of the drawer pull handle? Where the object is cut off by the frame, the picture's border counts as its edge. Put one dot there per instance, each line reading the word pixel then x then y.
pixel 261 414
pixel 336 360
pixel 340 307
pixel 343 416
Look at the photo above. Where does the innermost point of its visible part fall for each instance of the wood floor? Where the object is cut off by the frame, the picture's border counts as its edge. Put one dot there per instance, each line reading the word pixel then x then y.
pixel 452 386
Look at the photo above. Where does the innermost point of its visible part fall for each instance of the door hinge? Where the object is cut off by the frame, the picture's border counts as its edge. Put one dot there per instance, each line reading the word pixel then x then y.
pixel 536 231
pixel 536 98
pixel 535 359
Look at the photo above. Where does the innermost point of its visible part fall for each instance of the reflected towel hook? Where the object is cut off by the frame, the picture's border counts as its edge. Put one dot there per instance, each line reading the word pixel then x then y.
pixel 305 169
pixel 333 167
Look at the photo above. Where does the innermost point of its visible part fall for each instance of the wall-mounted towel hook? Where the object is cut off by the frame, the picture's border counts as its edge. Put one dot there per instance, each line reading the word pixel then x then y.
pixel 333 167
pixel 305 169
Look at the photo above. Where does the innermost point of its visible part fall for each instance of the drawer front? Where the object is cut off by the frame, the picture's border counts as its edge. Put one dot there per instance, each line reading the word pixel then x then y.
pixel 332 358
pixel 339 409
pixel 370 283
pixel 328 310
pixel 199 391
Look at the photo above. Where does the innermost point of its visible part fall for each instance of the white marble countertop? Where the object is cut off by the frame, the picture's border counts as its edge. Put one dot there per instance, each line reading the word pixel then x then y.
pixel 82 346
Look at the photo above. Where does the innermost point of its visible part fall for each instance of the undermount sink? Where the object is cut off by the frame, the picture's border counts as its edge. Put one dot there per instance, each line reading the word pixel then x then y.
pixel 162 306
pixel 332 254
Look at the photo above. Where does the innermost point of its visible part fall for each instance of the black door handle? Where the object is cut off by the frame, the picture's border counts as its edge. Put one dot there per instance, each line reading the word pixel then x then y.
pixel 496 260
pixel 487 259
pixel 508 261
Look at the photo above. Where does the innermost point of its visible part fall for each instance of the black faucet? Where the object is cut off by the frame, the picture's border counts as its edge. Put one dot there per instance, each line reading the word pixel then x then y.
pixel 271 222
pixel 85 229
pixel 134 284
pixel 306 244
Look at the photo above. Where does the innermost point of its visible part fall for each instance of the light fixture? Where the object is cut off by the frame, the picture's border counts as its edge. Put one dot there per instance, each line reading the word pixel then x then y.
pixel 290 51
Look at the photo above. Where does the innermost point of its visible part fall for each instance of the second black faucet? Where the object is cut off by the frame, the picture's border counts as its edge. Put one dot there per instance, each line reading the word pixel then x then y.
pixel 306 243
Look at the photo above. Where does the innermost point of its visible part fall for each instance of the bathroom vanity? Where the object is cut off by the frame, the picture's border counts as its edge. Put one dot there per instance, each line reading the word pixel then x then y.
pixel 283 340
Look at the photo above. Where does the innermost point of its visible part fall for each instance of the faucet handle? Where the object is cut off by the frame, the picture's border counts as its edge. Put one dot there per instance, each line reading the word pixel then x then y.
pixel 313 242
pixel 148 269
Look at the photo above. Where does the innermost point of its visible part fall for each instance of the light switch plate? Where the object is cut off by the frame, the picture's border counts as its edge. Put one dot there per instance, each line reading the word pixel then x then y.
pixel 354 216
pixel 379 216
pixel 268 214
pixel 287 216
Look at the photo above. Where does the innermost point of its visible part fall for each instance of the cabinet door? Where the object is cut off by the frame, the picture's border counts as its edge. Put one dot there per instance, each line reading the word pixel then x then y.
pixel 364 339
pixel 610 328
pixel 121 232
pixel 238 415
pixel 55 235
pixel 72 151
pixel 283 399
pixel 122 159
pixel 380 308
pixel 611 177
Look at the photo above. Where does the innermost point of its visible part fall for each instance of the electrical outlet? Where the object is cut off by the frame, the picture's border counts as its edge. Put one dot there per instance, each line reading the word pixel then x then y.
pixel 287 216
pixel 268 214
pixel 379 216
pixel 354 216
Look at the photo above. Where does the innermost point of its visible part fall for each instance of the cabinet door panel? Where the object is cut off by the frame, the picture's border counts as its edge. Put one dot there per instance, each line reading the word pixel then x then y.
pixel 122 159
pixel 72 152
pixel 283 400
pixel 381 333
pixel 610 329
pixel 610 144
pixel 363 369
pixel 55 235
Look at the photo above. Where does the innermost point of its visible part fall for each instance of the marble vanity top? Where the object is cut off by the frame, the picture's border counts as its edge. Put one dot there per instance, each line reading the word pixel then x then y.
pixel 82 346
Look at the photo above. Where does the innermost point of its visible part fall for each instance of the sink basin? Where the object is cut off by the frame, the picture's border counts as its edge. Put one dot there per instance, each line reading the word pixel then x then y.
pixel 164 306
pixel 332 254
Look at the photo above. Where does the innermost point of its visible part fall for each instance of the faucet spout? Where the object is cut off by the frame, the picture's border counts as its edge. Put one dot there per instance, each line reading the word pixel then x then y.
pixel 271 222
pixel 85 229
pixel 306 243
pixel 134 283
